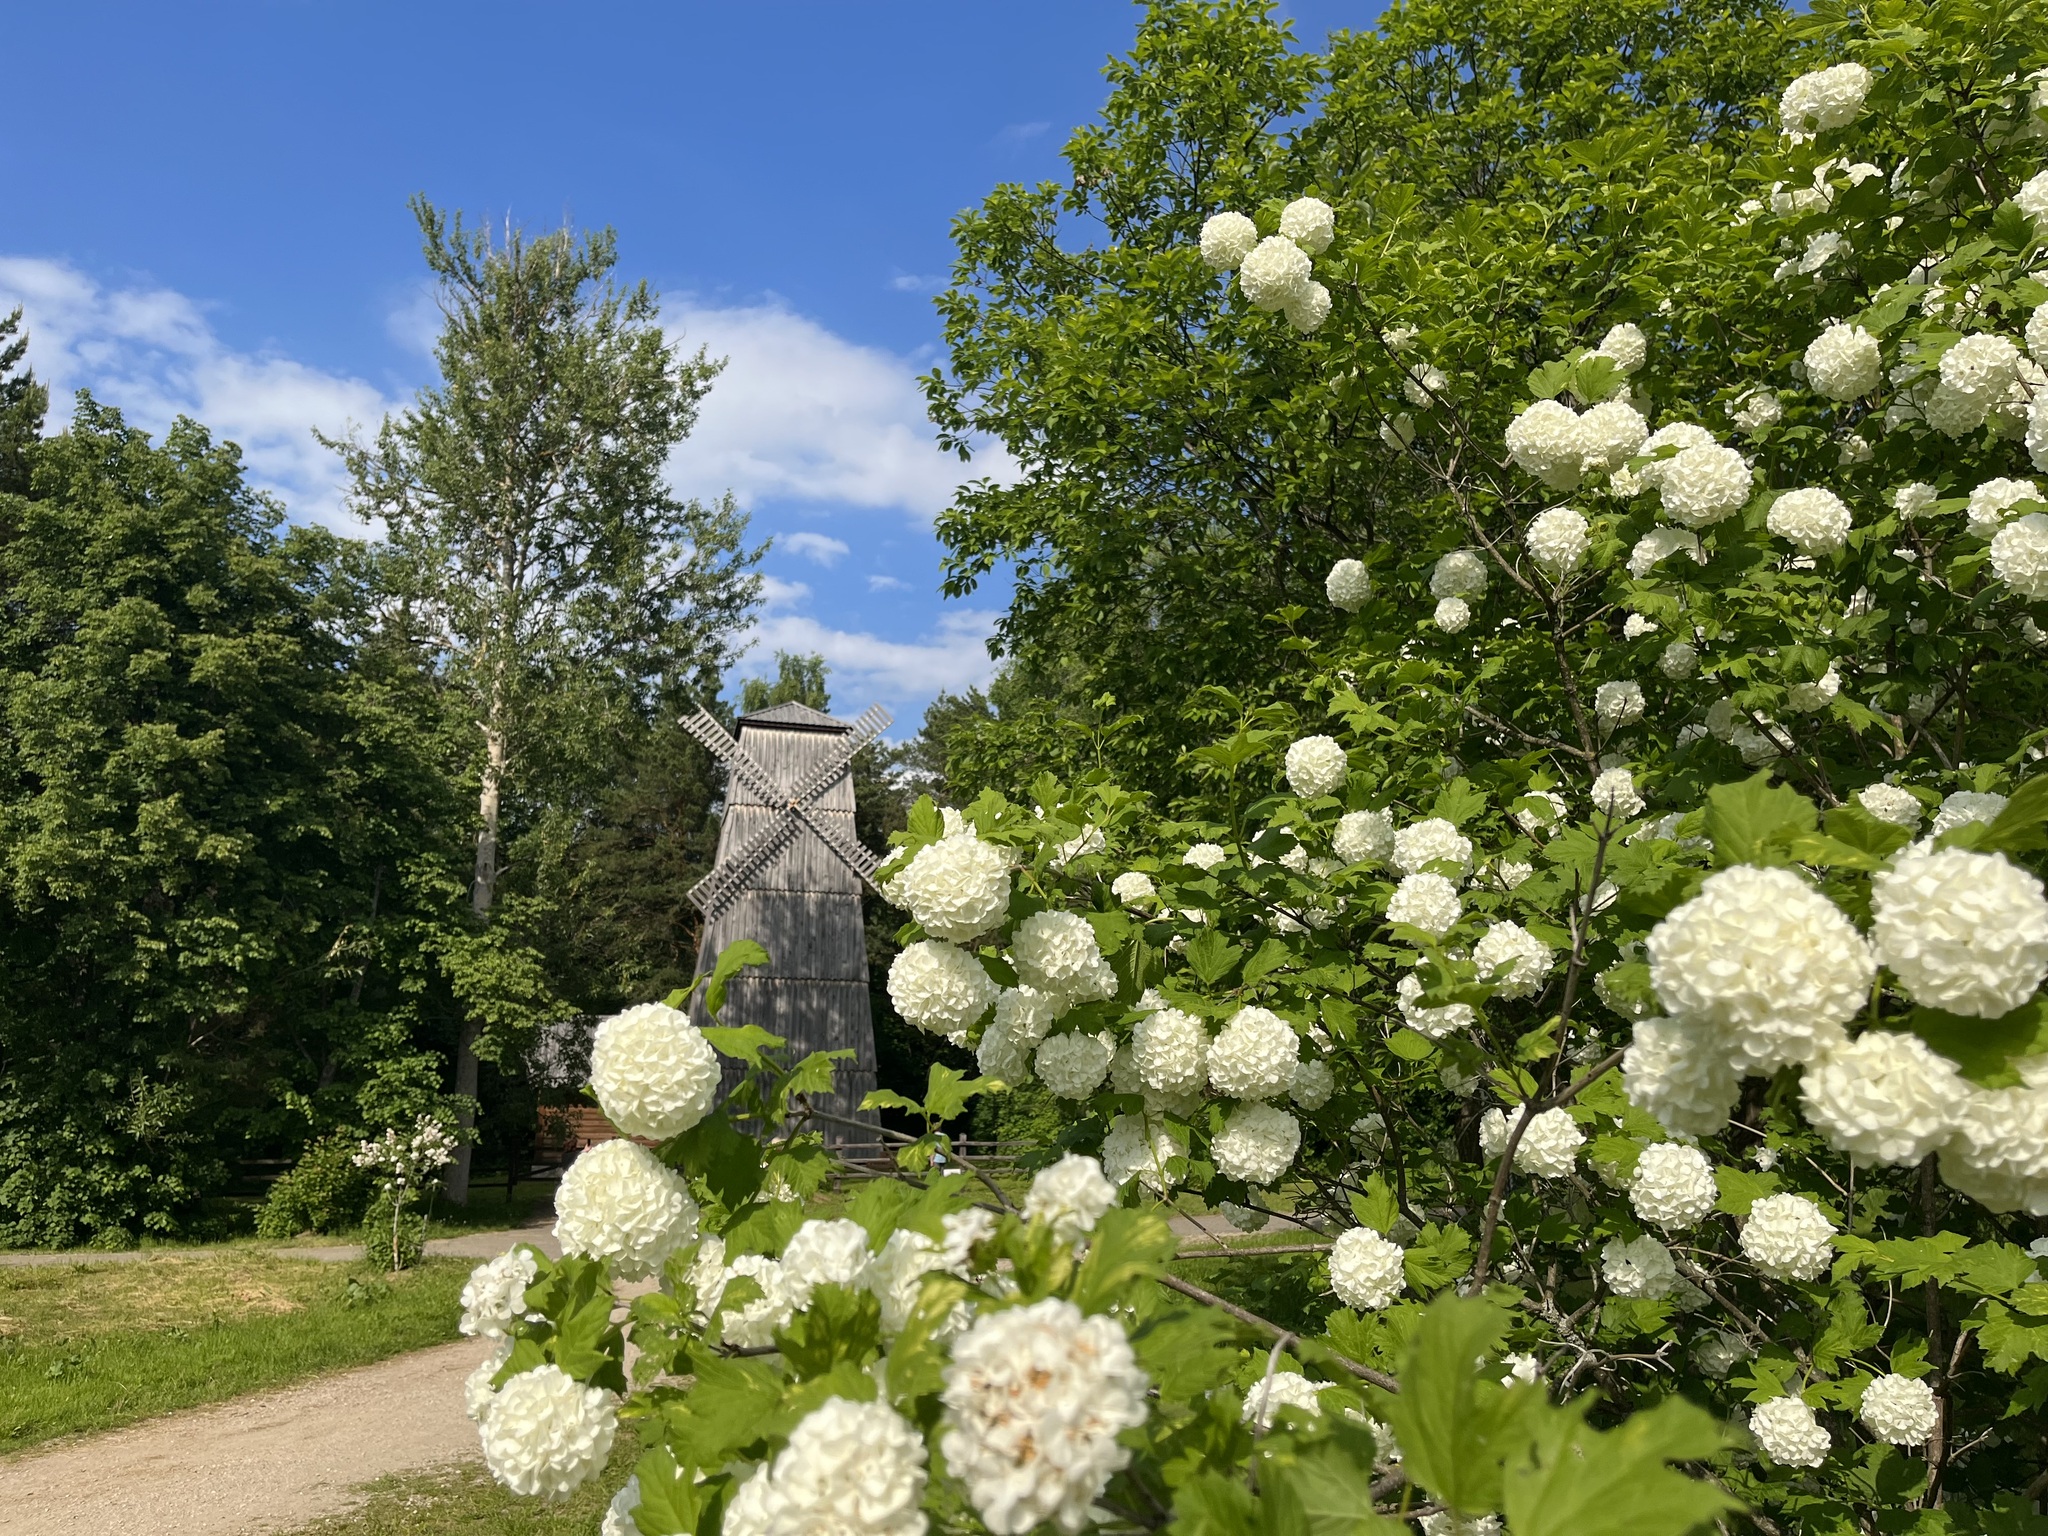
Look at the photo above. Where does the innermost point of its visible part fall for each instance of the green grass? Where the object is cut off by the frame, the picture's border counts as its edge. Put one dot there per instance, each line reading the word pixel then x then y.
pixel 89 1346
pixel 463 1501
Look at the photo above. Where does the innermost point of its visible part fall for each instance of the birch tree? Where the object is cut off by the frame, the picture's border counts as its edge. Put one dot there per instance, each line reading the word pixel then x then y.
pixel 544 566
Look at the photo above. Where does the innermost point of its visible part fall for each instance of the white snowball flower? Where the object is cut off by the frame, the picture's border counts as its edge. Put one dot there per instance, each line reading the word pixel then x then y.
pixel 1843 362
pixel 1964 932
pixel 1461 573
pixel 1549 1148
pixel 1090 841
pixel 1205 856
pixel 1813 521
pixel 1679 660
pixel 619 1201
pixel 1614 432
pixel 1888 802
pixel 1660 544
pixel 1557 540
pixel 618 1515
pixel 1073 1065
pixel 1363 837
pixel 1452 615
pixel 1521 1368
pixel 1720 1352
pixel 1527 957
pixel 1824 98
pixel 753 1324
pixel 1788 1433
pixel 1366 1269
pixel 1817 695
pixel 1549 441
pixel 1428 902
pixel 1899 1410
pixel 1310 223
pixel 1133 887
pixel 1999 1156
pixel 547 1433
pixel 1614 794
pixel 1680 1074
pixel 1637 627
pixel 1313 1083
pixel 1254 1055
pixel 1171 1051
pixel 1678 435
pixel 1757 410
pixel 940 987
pixel 1348 585
pixel 1034 1400
pixel 1432 1022
pixel 1980 364
pixel 495 1296
pixel 1884 1098
pixel 1440 1522
pixel 1703 485
pixel 1257 1145
pixel 1316 765
pixel 1429 843
pixel 851 1469
pixel 1673 1186
pixel 1626 345
pixel 1992 500
pixel 1282 1389
pixel 2019 555
pixel 1274 273
pixel 1788 1238
pixel 1057 953
pixel 477 1392
pixel 1021 1019
pixel 2037 335
pixel 957 888
pixel 1227 238
pixel 1308 309
pixel 1510 873
pixel 1140 1147
pixel 825 1253
pixel 654 1073
pixel 1914 499
pixel 1071 1195
pixel 2037 433
pixel 1965 806
pixel 1766 961
pixel 1641 1268
pixel 1617 704
pixel 1532 819
pixel 1244 1217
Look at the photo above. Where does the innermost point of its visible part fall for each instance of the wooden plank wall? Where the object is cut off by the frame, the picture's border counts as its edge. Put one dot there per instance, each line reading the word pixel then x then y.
pixel 803 907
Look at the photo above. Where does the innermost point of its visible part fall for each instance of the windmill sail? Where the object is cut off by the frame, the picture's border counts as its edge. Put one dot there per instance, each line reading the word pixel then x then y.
pixel 789 874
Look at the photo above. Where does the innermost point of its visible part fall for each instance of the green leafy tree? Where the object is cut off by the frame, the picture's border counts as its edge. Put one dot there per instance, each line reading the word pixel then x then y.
pixel 23 403
pixel 1186 472
pixel 540 559
pixel 194 815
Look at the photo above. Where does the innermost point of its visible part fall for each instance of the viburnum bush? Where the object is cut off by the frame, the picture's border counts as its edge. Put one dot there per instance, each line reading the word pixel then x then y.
pixel 1617 976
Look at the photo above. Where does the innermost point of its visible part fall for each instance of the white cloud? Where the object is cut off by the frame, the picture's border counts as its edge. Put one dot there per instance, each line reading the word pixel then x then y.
pixel 866 668
pixel 817 548
pixel 153 353
pixel 887 584
pixel 1018 133
pixel 803 414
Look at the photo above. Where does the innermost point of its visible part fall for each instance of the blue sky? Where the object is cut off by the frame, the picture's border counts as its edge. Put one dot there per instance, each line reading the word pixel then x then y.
pixel 205 212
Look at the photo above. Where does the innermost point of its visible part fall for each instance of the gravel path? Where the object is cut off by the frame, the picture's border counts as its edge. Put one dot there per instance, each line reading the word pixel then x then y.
pixel 272 1461
pixel 470 1245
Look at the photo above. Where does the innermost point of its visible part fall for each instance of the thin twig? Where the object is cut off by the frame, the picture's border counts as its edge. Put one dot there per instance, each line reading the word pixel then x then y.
pixel 1364 1373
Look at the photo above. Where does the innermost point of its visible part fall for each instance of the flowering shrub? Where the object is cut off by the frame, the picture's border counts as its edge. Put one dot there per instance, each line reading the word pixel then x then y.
pixel 1620 970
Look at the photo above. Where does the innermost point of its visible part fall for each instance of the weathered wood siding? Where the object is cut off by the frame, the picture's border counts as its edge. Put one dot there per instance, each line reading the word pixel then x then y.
pixel 803 907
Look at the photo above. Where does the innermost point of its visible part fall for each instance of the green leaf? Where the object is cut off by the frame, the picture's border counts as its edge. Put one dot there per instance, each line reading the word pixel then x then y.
pixel 745 1043
pixel 725 1409
pixel 1740 1189
pixel 1551 380
pixel 1458 802
pixel 2011 228
pixel 1209 1504
pixel 1410 1045
pixel 1456 1424
pixel 1436 1257
pixel 841 1325
pixel 1211 956
pixel 1126 1246
pixel 1330 1487
pixel 947 1092
pixel 1984 1049
pixel 1271 956
pixel 716 1153
pixel 1376 1208
pixel 1749 822
pixel 2023 825
pixel 2010 1343
pixel 1186 1352
pixel 670 1504
pixel 1577 1481
pixel 812 1075
pixel 732 959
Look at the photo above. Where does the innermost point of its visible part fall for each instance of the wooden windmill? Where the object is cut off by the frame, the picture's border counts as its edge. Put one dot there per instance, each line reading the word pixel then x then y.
pixel 788 875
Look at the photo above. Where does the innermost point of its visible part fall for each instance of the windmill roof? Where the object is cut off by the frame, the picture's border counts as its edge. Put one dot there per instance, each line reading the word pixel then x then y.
pixel 795 717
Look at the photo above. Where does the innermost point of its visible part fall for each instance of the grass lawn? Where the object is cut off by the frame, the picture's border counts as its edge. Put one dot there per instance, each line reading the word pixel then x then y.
pixel 463 1501
pixel 88 1346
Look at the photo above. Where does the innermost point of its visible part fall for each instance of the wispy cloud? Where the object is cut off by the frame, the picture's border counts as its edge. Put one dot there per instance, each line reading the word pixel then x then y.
pixel 818 548
pixel 153 353
pixel 911 282
pixel 866 668
pixel 1018 133
pixel 803 414
pixel 887 584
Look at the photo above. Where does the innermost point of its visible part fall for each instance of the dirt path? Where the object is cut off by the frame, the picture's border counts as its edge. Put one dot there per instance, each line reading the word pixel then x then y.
pixel 272 1461
pixel 470 1245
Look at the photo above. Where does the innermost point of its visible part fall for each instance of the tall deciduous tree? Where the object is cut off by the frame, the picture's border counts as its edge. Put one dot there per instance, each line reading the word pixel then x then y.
pixel 558 583
pixel 22 404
